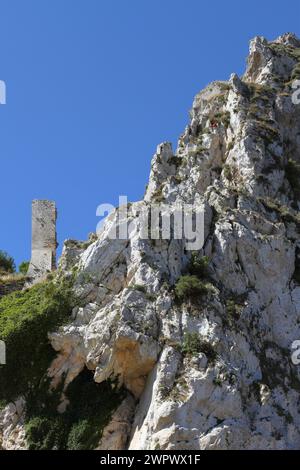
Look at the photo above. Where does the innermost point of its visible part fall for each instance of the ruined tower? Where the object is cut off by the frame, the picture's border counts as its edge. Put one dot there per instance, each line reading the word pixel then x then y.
pixel 43 244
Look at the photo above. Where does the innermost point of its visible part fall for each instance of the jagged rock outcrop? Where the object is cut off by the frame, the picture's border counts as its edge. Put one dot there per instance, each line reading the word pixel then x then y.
pixel 116 433
pixel 12 432
pixel 234 386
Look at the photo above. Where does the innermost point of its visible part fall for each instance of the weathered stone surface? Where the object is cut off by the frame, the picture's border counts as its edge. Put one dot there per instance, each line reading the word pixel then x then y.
pixel 239 390
pixel 232 159
pixel 12 432
pixel 115 435
pixel 43 250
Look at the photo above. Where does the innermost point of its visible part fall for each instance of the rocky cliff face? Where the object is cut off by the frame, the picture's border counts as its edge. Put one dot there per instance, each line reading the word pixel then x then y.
pixel 212 371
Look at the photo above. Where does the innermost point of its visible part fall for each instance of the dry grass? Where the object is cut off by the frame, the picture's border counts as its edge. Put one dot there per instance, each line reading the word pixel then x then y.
pixel 7 278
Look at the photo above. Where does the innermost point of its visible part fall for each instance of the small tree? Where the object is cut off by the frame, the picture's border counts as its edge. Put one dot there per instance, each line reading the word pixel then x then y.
pixel 23 267
pixel 190 288
pixel 199 266
pixel 192 345
pixel 7 263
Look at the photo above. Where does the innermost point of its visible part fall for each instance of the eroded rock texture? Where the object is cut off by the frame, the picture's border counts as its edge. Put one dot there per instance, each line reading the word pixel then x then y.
pixel 238 158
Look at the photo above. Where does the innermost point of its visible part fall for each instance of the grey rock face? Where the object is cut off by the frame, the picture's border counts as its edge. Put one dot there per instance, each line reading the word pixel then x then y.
pixel 234 158
pixel 238 389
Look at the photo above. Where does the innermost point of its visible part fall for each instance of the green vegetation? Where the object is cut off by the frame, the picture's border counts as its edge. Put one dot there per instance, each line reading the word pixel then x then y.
pixel 296 72
pixel 26 317
pixel 11 282
pixel 80 426
pixel 138 287
pixel 23 267
pixel 259 92
pixel 223 118
pixel 233 309
pixel 230 145
pixel 11 278
pixel 284 212
pixel 198 150
pixel 141 288
pixel 198 265
pixel 194 283
pixel 81 245
pixel 259 97
pixel 293 52
pixel 7 263
pixel 283 49
pixel 224 86
pixel 227 171
pixel 217 381
pixel 192 345
pixel 266 130
pixel 158 195
pixel 232 174
pixel 191 288
pixel 177 161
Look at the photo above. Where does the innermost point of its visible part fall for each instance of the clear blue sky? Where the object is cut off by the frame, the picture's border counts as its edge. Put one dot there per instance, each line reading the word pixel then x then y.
pixel 93 86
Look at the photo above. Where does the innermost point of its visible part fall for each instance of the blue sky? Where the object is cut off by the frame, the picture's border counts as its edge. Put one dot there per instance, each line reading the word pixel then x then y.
pixel 93 86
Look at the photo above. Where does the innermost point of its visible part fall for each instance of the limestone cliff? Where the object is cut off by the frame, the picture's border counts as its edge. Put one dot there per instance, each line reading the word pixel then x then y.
pixel 215 371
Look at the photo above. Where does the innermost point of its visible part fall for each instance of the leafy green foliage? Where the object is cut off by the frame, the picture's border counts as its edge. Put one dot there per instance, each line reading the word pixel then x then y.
pixel 80 426
pixel 190 288
pixel 192 345
pixel 286 49
pixel 80 433
pixel 25 320
pixel 233 309
pixel 296 72
pixel 139 288
pixel 26 317
pixel 45 433
pixel 199 265
pixel 193 284
pixel 7 263
pixel 23 267
pixel 259 92
pixel 223 118
pixel 284 212
pixel 227 172
pixel 231 173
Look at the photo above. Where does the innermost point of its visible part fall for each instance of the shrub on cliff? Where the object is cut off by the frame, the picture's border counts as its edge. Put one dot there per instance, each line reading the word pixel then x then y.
pixel 198 266
pixel 26 317
pixel 190 288
pixel 80 427
pixel 192 345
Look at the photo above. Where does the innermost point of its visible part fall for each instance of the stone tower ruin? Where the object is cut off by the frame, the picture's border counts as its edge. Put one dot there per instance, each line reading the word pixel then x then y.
pixel 43 241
